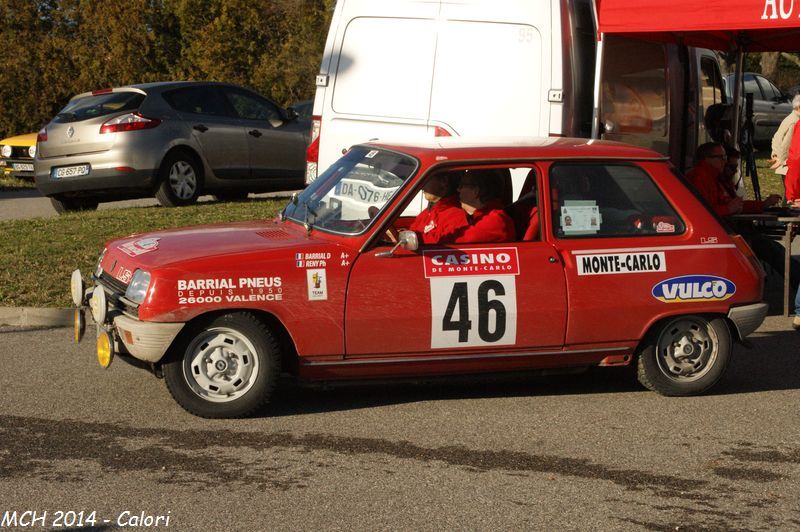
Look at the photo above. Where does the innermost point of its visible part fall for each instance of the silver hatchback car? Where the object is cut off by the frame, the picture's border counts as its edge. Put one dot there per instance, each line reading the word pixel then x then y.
pixel 173 140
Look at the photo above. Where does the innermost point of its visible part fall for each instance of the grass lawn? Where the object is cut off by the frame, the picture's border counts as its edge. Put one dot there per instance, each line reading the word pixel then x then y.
pixel 10 183
pixel 38 255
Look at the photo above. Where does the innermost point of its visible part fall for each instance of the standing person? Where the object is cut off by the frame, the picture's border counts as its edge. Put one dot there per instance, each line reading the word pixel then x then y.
pixel 783 138
pixel 792 180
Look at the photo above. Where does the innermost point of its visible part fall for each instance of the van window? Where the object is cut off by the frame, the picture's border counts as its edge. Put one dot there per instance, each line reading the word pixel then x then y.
pixel 608 200
pixel 634 93
pixel 385 67
pixel 711 91
pixel 471 78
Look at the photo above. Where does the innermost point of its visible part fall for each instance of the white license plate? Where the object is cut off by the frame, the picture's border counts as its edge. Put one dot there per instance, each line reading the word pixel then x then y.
pixel 22 167
pixel 71 171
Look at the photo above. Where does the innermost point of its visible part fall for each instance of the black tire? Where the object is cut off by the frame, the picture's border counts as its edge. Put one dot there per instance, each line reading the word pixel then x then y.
pixel 62 205
pixel 180 180
pixel 686 355
pixel 237 195
pixel 224 368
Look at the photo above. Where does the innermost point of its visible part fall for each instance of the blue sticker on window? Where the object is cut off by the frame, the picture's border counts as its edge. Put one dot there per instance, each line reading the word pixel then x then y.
pixel 693 288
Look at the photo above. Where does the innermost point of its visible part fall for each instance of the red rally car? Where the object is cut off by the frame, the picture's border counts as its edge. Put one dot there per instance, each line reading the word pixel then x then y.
pixel 615 262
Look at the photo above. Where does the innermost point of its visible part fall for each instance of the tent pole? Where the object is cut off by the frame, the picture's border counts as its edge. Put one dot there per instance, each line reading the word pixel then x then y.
pixel 737 94
pixel 598 76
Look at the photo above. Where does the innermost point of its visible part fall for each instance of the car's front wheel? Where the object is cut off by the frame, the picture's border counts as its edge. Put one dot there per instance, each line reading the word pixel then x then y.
pixel 179 180
pixel 62 205
pixel 225 368
pixel 685 355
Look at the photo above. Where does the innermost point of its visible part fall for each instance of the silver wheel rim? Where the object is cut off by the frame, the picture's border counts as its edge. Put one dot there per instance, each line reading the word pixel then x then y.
pixel 220 365
pixel 687 349
pixel 182 180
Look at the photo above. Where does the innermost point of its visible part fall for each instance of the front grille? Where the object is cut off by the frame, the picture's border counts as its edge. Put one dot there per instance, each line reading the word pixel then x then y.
pixel 20 152
pixel 116 290
pixel 116 286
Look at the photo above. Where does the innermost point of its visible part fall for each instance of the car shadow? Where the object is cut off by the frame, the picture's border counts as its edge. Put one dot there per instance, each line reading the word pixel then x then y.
pixel 19 193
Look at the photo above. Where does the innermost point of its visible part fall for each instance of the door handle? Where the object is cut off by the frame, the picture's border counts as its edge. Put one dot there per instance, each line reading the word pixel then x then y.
pixel 200 127
pixel 254 132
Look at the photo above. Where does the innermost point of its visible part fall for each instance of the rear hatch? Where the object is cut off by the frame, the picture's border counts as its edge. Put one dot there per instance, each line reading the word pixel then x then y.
pixel 76 128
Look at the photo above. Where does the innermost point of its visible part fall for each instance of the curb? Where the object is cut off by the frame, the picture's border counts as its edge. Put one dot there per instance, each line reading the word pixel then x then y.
pixel 36 317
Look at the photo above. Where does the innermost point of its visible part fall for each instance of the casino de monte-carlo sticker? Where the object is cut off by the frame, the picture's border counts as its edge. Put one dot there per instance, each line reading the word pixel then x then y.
pixel 139 247
pixel 605 263
pixel 317 285
pixel 473 296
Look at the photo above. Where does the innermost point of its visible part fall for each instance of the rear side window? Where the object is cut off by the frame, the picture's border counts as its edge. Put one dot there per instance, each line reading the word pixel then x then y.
pixel 199 100
pixel 99 105
pixel 608 200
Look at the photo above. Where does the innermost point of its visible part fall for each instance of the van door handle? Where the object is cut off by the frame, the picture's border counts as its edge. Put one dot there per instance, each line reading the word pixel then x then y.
pixel 254 132
pixel 200 127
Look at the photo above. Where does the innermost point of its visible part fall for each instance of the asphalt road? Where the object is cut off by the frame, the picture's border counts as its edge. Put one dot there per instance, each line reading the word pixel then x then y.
pixel 28 203
pixel 575 452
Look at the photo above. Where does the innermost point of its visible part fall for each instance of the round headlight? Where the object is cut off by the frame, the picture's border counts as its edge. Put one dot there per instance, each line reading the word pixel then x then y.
pixel 32 151
pixel 98 305
pixel 5 151
pixel 76 288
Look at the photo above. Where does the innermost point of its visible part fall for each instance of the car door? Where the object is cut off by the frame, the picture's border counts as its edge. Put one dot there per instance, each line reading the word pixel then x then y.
pixel 772 110
pixel 507 297
pixel 215 128
pixel 276 145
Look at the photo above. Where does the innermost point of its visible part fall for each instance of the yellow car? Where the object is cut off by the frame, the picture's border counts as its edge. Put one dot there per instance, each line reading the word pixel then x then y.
pixel 16 156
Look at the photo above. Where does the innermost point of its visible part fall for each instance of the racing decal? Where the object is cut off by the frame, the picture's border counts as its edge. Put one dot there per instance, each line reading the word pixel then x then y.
pixel 139 247
pixel 694 288
pixel 598 264
pixel 708 240
pixel 311 260
pixel 473 296
pixel 229 290
pixel 664 227
pixel 317 285
pixel 123 274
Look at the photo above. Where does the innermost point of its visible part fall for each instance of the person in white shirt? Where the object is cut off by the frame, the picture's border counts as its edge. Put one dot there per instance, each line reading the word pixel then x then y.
pixel 783 138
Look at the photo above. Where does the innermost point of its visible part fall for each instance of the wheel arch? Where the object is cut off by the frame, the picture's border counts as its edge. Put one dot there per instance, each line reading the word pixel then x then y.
pixel 654 326
pixel 191 152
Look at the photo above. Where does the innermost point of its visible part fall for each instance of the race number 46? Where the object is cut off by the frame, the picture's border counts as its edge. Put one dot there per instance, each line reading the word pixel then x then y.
pixel 473 311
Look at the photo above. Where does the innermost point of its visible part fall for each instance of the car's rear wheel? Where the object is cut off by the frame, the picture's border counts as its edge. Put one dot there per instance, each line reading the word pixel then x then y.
pixel 225 368
pixel 62 205
pixel 180 180
pixel 685 355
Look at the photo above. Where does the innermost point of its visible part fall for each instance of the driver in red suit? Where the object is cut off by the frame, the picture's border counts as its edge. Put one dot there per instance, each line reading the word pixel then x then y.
pixel 443 217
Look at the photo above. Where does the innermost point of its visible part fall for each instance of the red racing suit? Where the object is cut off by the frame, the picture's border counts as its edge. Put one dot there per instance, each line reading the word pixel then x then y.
pixel 440 221
pixel 490 223
pixel 706 179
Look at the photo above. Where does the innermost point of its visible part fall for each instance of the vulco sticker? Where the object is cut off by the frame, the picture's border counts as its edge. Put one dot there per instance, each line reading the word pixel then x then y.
pixel 621 263
pixel 138 247
pixel 317 285
pixel 694 288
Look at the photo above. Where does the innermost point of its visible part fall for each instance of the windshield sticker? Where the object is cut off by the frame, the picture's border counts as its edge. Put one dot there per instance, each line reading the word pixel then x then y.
pixel 694 288
pixel 229 290
pixel 311 260
pixel 139 247
pixel 621 263
pixel 317 285
pixel 371 154
pixel 453 262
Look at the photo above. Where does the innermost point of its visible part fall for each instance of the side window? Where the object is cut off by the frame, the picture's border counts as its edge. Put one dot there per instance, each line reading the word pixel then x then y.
pixel 250 107
pixel 711 83
pixel 751 86
pixel 608 200
pixel 769 90
pixel 198 100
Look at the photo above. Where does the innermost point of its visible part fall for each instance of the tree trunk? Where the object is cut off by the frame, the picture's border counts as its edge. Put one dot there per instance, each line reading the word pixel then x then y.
pixel 769 65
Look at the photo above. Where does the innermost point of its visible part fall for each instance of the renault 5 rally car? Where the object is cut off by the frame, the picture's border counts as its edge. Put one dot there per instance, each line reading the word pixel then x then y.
pixel 616 262
pixel 16 155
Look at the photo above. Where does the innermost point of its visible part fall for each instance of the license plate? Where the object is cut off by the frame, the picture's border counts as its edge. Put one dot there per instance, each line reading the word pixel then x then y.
pixel 22 167
pixel 71 171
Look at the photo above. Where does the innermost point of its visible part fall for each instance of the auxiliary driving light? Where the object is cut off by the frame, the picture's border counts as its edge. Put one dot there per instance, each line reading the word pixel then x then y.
pixel 79 324
pixel 76 288
pixel 104 352
pixel 98 305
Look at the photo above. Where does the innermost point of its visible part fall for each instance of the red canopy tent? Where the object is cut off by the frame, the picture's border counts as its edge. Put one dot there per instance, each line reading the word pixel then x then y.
pixel 726 25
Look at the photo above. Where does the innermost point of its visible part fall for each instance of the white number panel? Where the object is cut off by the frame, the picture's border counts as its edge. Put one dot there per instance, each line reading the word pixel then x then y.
pixel 473 296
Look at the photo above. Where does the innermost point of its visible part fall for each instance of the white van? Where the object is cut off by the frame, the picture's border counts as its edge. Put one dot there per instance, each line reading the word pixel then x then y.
pixel 399 69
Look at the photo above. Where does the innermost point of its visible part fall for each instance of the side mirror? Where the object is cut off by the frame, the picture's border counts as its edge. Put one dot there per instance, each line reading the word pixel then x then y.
pixel 408 240
pixel 291 113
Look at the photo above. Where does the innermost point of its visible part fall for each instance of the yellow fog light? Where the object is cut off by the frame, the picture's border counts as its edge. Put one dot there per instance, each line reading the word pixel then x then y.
pixel 104 352
pixel 79 325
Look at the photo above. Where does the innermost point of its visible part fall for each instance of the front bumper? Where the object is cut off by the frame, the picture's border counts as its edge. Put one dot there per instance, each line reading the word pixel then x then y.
pixel 748 318
pixel 20 168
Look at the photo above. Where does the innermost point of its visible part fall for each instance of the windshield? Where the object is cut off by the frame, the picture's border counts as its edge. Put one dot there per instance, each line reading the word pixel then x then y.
pixel 352 191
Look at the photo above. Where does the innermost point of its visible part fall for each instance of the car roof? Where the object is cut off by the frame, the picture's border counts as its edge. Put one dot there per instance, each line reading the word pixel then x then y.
pixel 155 87
pixel 470 148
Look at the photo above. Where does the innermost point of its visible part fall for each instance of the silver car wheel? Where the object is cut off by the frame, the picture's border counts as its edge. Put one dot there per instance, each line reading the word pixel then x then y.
pixel 220 365
pixel 182 180
pixel 687 349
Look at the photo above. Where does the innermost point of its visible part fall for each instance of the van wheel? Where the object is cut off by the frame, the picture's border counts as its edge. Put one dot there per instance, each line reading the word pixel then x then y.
pixel 685 356
pixel 179 180
pixel 224 368
pixel 62 205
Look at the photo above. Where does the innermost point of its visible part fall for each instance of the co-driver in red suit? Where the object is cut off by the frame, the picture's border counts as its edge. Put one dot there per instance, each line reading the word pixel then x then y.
pixel 483 217
pixel 443 217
